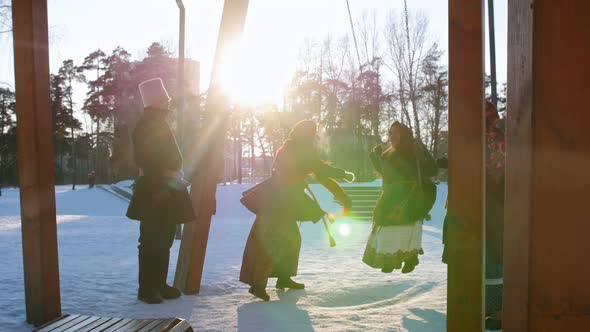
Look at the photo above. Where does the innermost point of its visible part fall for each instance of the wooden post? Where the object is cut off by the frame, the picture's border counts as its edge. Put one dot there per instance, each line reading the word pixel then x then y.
pixel 465 305
pixel 180 86
pixel 180 123
pixel 209 170
pixel 518 167
pixel 492 41
pixel 35 161
pixel 548 157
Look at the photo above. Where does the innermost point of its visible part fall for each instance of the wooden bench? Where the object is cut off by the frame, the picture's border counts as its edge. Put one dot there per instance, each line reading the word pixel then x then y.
pixel 79 323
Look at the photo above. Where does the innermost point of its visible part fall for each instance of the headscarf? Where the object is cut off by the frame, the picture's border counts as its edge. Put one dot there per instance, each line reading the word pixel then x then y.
pixel 406 137
pixel 304 130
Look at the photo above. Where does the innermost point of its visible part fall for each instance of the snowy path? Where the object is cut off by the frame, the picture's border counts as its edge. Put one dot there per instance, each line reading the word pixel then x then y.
pixel 98 271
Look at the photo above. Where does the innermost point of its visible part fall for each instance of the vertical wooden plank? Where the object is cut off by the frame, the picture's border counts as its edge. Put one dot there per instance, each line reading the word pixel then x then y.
pixel 180 85
pixel 559 265
pixel 519 167
pixel 35 160
pixel 466 166
pixel 547 270
pixel 210 169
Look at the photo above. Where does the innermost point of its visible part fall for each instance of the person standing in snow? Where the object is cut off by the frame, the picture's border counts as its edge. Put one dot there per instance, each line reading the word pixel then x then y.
pixel 91 179
pixel 495 160
pixel 408 194
pixel 160 198
pixel 494 218
pixel 273 246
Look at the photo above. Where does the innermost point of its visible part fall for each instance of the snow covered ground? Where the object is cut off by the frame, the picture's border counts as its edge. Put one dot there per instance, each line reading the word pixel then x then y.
pixel 98 272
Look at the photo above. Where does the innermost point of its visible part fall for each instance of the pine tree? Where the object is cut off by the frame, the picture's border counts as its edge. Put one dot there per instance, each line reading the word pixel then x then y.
pixel 69 73
pixel 120 87
pixel 62 119
pixel 7 132
pixel 436 97
pixel 95 104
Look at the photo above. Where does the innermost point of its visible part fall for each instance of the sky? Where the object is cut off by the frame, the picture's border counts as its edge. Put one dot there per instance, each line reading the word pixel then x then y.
pixel 273 34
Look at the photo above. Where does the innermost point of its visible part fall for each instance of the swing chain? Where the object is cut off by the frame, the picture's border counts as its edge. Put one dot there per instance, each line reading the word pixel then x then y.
pixel 410 69
pixel 358 56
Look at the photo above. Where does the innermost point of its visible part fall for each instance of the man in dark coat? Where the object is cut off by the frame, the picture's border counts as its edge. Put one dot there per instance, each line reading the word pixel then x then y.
pixel 272 249
pixel 160 198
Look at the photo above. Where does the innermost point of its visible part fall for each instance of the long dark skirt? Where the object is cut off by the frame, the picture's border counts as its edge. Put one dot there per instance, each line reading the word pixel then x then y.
pixel 272 250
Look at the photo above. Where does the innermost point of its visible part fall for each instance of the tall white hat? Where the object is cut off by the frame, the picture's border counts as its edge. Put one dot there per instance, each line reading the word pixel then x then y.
pixel 153 93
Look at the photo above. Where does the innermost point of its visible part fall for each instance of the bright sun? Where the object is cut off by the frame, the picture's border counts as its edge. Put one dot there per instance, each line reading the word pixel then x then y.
pixel 250 77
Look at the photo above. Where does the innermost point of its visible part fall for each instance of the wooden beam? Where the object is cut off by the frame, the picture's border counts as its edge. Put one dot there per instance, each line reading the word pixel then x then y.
pixel 518 167
pixel 465 305
pixel 35 160
pixel 209 171
pixel 548 186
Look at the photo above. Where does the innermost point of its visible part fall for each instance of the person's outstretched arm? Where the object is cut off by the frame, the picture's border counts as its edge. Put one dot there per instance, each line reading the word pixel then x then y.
pixel 375 160
pixel 327 175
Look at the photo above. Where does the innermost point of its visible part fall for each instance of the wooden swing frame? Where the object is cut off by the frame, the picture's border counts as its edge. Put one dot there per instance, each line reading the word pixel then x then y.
pixel 533 297
pixel 36 168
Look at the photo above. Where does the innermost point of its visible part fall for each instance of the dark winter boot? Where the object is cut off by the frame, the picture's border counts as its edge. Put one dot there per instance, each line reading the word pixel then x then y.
pixel 259 290
pixel 167 292
pixel 387 268
pixel 149 298
pixel 283 283
pixel 410 265
pixel 148 290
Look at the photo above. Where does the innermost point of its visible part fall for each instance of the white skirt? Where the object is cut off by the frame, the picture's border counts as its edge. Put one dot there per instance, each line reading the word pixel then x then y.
pixel 390 246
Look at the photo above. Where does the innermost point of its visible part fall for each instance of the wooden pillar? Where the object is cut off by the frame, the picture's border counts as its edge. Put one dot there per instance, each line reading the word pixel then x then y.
pixel 209 170
pixel 35 160
pixel 465 215
pixel 180 88
pixel 518 167
pixel 548 161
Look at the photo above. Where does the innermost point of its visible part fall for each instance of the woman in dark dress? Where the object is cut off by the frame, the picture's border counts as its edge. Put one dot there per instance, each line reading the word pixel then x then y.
pixel 406 167
pixel 273 246
pixel 160 198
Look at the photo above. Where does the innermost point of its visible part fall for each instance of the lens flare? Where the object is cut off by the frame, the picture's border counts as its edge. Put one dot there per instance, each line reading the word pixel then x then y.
pixel 249 78
pixel 344 230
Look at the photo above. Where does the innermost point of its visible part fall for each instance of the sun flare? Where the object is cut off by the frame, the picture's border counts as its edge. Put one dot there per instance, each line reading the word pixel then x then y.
pixel 249 77
pixel 344 229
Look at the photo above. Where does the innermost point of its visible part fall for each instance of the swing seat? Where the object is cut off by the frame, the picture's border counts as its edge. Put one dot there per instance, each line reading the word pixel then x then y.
pixel 80 323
